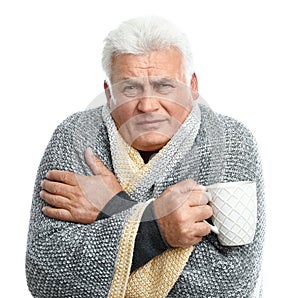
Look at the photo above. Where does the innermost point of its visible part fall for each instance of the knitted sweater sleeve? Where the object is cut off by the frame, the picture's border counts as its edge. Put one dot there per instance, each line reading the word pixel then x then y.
pixel 67 259
pixel 245 278
pixel 241 265
pixel 222 271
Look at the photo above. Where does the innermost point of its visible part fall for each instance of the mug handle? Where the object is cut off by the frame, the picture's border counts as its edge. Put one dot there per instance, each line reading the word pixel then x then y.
pixel 212 228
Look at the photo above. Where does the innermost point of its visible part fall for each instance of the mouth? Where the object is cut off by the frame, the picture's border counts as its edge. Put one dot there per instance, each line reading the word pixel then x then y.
pixel 151 124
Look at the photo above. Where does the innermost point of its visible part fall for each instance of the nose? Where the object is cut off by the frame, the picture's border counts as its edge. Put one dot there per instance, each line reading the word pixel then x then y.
pixel 148 104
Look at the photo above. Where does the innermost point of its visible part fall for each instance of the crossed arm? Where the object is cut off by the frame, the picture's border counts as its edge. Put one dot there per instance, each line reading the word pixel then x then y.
pixel 180 211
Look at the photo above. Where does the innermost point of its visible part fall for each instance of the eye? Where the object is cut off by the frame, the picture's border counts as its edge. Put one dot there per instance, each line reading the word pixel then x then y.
pixel 166 85
pixel 131 90
pixel 165 88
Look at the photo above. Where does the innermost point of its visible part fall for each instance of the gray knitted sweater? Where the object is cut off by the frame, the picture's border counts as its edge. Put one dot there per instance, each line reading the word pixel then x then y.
pixel 73 260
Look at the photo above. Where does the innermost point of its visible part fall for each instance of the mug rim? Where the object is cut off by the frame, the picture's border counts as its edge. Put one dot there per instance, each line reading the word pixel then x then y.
pixel 229 184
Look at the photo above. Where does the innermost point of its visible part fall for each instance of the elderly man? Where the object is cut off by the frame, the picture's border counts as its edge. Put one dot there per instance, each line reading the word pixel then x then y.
pixel 119 206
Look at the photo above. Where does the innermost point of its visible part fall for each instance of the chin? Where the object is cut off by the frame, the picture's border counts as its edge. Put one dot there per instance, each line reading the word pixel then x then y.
pixel 150 142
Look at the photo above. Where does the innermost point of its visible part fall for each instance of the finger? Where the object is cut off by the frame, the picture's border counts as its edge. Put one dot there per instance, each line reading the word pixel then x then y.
pixel 201 229
pixel 57 188
pixel 201 213
pixel 187 186
pixel 62 176
pixel 54 200
pixel 198 198
pixel 57 213
pixel 195 240
pixel 95 164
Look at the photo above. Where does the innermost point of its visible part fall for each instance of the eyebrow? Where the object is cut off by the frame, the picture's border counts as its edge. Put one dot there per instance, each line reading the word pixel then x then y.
pixel 130 81
pixel 159 80
pixel 153 80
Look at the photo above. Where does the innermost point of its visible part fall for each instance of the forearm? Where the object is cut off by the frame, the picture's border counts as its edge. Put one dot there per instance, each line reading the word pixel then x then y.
pixel 149 241
pixel 67 259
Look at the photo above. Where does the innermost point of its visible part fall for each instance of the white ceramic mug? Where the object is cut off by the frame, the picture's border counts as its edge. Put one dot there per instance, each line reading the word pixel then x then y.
pixel 234 207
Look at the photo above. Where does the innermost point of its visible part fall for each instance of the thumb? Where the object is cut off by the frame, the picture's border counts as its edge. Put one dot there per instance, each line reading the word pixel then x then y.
pixel 95 164
pixel 189 185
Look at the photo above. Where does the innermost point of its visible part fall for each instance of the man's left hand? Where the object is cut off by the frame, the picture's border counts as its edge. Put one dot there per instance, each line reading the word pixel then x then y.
pixel 79 198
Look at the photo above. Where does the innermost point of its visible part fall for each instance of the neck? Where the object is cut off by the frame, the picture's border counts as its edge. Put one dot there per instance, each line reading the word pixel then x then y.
pixel 146 155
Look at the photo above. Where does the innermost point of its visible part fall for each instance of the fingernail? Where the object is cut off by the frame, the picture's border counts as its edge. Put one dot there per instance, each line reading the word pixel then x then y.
pixel 42 183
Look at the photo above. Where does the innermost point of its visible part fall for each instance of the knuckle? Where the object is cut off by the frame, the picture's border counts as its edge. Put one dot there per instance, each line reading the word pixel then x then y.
pixel 176 204
pixel 187 196
pixel 170 189
pixel 64 176
pixel 59 212
pixel 55 189
pixel 182 232
pixel 75 192
pixel 191 181
pixel 203 198
pixel 181 219
pixel 207 211
pixel 52 200
pixel 76 204
pixel 57 201
pixel 185 233
pixel 190 184
pixel 204 229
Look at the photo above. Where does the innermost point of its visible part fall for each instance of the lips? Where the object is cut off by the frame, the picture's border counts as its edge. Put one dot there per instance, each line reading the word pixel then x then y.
pixel 150 124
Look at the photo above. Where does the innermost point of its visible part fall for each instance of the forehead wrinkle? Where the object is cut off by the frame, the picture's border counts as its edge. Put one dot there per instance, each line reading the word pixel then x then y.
pixel 152 80
pixel 155 64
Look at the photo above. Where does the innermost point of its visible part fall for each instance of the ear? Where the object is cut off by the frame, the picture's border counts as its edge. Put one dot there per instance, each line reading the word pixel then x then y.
pixel 107 92
pixel 194 86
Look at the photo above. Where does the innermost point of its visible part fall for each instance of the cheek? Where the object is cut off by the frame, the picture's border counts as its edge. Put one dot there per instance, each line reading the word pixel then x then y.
pixel 122 114
pixel 179 111
pixel 179 105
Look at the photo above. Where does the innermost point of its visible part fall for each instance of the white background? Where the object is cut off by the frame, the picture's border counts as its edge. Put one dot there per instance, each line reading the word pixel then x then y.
pixel 248 66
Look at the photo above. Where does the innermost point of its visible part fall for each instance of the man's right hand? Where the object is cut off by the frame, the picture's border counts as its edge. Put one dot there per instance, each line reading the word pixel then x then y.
pixel 180 211
pixel 76 197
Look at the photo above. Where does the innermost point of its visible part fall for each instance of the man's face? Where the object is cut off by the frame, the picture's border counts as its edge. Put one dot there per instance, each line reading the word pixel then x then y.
pixel 150 97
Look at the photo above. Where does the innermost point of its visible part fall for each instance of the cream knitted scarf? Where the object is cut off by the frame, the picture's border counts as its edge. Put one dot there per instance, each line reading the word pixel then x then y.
pixel 157 277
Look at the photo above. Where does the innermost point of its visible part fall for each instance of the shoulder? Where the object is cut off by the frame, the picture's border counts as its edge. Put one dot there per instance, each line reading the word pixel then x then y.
pixel 230 145
pixel 87 119
pixel 85 128
pixel 81 125
pixel 233 132
pixel 238 136
pixel 80 130
pixel 230 140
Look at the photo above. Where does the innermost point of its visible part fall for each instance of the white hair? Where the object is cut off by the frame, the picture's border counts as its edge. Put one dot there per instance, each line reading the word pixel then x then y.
pixel 142 35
